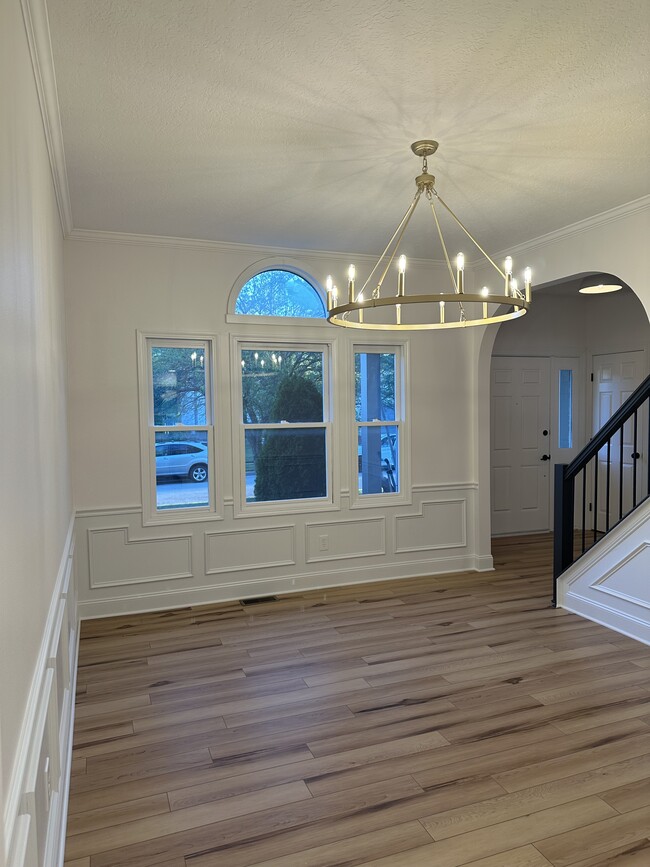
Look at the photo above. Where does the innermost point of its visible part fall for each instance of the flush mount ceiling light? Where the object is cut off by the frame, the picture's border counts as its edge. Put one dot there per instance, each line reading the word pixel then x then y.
pixel 600 284
pixel 374 307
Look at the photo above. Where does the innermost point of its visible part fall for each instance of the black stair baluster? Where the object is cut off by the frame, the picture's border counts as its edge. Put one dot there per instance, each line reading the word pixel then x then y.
pixel 584 506
pixel 620 475
pixel 634 460
pixel 595 518
pixel 609 448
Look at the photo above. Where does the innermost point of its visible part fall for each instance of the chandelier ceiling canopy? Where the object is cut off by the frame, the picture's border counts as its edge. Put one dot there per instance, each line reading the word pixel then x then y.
pixel 378 307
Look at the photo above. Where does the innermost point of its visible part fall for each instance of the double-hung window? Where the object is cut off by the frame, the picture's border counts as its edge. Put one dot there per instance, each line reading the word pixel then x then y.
pixel 379 420
pixel 285 428
pixel 178 440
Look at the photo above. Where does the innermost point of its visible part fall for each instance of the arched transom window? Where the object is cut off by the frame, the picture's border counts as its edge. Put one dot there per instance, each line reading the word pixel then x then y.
pixel 277 292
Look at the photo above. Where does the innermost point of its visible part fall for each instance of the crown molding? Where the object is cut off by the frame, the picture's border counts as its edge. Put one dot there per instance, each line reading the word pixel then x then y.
pixel 98 236
pixel 620 212
pixel 37 28
pixel 102 237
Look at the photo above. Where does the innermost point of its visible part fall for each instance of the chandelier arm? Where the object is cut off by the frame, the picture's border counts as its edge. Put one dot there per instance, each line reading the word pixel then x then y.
pixel 469 235
pixel 401 228
pixel 444 246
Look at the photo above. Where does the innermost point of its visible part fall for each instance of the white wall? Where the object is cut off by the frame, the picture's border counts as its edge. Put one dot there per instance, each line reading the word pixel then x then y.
pixel 574 324
pixel 112 290
pixel 35 497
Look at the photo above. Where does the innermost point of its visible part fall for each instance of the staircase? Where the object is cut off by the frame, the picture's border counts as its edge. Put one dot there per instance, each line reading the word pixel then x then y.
pixel 601 565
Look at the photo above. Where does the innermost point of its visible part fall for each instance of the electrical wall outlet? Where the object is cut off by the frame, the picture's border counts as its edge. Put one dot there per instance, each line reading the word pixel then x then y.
pixel 323 542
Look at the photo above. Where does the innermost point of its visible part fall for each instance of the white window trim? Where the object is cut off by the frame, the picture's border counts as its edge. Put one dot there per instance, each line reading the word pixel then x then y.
pixel 293 266
pixel 402 421
pixel 243 509
pixel 151 516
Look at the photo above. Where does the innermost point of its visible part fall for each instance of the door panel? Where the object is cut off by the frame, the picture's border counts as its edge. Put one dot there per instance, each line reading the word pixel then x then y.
pixel 519 414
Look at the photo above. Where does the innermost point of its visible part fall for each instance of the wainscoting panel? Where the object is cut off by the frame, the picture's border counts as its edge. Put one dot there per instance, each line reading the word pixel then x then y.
pixel 254 548
pixel 609 584
pixel 438 524
pixel 36 802
pixel 116 559
pixel 341 540
pixel 124 567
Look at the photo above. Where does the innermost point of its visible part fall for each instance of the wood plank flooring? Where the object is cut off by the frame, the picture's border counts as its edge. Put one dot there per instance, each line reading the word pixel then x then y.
pixel 438 722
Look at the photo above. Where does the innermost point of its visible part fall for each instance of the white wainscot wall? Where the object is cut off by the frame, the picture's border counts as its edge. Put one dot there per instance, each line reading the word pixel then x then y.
pixel 36 803
pixel 124 567
pixel 611 583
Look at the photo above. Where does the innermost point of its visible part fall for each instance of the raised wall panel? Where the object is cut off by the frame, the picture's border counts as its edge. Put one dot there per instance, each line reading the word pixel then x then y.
pixel 628 580
pixel 114 559
pixel 256 548
pixel 501 377
pixel 364 537
pixel 441 523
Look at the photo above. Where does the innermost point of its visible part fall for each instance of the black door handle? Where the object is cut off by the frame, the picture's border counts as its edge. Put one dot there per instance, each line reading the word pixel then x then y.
pixel 635 456
pixel 545 458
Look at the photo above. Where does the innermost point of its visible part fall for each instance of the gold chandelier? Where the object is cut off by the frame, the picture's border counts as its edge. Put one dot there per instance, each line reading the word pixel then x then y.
pixel 455 309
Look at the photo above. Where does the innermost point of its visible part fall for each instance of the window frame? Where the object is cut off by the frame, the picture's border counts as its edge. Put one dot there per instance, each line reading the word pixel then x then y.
pixel 400 348
pixel 276 264
pixel 151 514
pixel 262 342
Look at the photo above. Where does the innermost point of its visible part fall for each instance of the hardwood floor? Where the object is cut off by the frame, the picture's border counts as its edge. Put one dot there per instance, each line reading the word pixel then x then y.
pixel 445 721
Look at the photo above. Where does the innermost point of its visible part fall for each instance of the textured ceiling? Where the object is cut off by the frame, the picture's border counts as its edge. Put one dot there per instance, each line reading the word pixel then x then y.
pixel 288 122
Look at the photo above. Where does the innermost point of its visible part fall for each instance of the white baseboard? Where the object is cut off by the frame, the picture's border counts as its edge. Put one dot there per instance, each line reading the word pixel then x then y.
pixel 36 799
pixel 242 589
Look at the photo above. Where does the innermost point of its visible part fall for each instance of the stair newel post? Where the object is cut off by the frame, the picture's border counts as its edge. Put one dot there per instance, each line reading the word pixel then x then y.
pixel 563 524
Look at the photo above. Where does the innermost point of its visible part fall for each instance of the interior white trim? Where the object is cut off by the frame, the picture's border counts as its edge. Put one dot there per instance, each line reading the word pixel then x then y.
pixel 26 829
pixel 610 216
pixel 381 520
pixel 289 561
pixel 420 514
pixel 602 219
pixel 582 587
pixel 207 246
pixel 37 28
pixel 321 580
pixel 129 541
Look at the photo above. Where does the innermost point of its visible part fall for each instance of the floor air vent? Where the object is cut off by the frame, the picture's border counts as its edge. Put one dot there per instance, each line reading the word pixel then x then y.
pixel 258 599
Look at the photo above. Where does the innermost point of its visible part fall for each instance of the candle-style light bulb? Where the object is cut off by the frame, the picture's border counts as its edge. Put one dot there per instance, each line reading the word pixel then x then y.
pixel 243 363
pixel 352 273
pixel 507 265
pixel 262 362
pixel 193 357
pixel 442 312
pixel 514 288
pixel 485 293
pixel 460 272
pixel 401 270
pixel 329 284
pixel 528 276
pixel 201 361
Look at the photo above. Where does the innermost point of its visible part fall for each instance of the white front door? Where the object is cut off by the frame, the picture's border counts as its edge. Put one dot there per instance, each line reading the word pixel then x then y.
pixel 616 376
pixel 520 445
